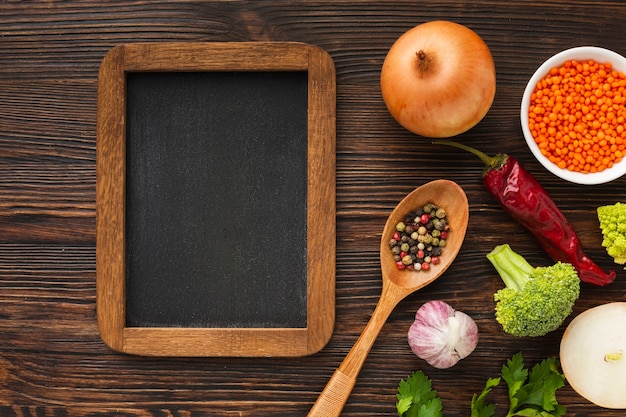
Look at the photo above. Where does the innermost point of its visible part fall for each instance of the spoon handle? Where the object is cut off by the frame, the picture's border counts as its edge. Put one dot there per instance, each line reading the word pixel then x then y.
pixel 338 389
pixel 334 396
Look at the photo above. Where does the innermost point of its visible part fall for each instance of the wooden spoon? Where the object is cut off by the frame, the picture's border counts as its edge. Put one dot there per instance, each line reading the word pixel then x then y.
pixel 397 284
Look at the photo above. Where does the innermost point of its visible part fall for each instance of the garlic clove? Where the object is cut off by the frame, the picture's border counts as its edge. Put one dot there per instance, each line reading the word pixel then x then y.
pixel 469 334
pixel 434 313
pixel 427 341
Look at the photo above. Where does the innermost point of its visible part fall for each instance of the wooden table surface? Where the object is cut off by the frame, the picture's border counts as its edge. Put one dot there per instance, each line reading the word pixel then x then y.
pixel 52 360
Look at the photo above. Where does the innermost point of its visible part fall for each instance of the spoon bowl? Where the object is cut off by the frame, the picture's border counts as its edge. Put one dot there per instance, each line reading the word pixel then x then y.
pixel 445 194
pixel 397 284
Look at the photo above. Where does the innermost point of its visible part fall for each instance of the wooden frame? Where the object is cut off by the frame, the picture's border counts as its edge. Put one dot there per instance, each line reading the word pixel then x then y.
pixel 110 199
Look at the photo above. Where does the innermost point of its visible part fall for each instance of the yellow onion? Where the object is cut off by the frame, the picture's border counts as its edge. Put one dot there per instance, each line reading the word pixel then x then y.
pixel 438 79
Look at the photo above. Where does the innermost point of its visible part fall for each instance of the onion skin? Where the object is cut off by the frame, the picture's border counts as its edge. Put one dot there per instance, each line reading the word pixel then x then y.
pixel 442 336
pixel 451 91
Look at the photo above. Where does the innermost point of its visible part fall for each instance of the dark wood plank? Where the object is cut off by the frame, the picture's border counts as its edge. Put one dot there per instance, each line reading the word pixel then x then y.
pixel 52 360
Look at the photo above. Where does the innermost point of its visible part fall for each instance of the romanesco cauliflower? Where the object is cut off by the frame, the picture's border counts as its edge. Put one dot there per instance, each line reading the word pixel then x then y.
pixel 613 226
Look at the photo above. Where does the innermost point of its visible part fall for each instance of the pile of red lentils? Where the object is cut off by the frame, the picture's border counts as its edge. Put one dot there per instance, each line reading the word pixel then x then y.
pixel 577 114
pixel 419 239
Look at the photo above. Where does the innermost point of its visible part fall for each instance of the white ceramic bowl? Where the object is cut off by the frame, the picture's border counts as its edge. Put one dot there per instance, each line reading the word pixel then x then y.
pixel 581 53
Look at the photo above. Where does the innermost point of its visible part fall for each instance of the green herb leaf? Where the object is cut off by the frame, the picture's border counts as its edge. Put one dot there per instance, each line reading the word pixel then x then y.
pixel 403 405
pixel 531 394
pixel 416 398
pixel 431 408
pixel 478 406
pixel 515 374
pixel 539 393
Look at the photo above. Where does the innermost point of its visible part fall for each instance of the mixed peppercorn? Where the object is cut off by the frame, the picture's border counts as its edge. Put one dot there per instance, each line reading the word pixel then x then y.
pixel 419 239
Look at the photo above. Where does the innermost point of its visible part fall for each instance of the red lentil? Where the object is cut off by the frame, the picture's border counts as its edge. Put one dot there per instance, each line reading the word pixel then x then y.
pixel 577 114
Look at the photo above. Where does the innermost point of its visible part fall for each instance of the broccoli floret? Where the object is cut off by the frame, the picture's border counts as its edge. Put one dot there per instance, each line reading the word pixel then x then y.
pixel 536 300
pixel 613 226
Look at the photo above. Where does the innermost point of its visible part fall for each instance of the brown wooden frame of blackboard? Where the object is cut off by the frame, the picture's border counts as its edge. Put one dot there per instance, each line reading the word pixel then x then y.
pixel 110 199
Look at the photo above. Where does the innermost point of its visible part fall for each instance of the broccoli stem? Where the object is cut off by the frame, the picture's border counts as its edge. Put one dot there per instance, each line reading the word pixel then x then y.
pixel 511 266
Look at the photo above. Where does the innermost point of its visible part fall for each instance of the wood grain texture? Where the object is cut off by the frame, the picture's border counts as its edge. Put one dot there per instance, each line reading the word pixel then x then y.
pixel 52 360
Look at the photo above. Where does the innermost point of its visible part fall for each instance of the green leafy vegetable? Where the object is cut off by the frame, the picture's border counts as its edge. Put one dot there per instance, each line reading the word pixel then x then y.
pixel 479 408
pixel 531 394
pixel 416 397
pixel 537 394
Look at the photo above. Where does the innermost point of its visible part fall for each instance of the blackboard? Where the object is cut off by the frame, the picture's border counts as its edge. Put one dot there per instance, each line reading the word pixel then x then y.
pixel 226 229
pixel 215 199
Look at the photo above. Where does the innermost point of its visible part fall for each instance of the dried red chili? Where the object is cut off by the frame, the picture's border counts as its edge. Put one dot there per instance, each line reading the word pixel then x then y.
pixel 521 195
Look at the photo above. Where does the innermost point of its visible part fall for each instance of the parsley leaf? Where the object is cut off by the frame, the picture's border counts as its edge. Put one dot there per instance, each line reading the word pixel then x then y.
pixel 515 374
pixel 479 409
pixel 538 395
pixel 531 394
pixel 416 398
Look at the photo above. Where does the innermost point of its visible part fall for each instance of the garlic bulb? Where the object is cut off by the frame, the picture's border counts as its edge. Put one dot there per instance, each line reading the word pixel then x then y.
pixel 442 336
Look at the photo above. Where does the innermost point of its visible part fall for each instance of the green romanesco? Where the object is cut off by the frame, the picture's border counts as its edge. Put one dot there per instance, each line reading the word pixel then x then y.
pixel 613 226
pixel 536 300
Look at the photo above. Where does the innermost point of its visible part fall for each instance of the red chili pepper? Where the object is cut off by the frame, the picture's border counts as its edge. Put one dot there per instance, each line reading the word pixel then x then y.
pixel 521 195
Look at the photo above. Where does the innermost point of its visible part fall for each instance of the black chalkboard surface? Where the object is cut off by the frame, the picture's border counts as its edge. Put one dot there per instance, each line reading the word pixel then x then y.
pixel 215 199
pixel 216 202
